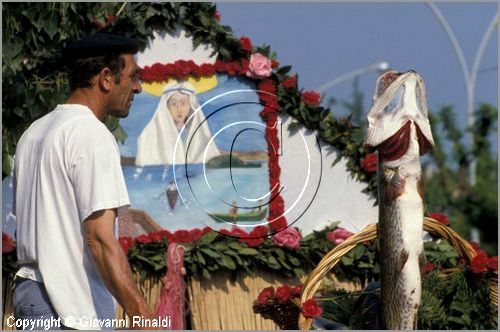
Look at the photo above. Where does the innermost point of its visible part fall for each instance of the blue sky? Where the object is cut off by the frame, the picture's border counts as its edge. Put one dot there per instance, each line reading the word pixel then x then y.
pixel 325 40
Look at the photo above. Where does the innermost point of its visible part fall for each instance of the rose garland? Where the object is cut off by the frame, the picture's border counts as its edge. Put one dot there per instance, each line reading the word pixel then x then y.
pixel 286 251
pixel 259 68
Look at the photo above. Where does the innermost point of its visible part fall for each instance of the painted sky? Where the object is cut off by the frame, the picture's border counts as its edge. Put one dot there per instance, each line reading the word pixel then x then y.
pixel 325 40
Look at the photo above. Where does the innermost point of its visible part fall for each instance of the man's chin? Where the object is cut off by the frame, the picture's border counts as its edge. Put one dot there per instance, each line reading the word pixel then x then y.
pixel 120 113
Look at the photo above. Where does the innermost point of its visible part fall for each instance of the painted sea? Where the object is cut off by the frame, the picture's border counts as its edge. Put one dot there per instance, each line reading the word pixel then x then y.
pixel 201 191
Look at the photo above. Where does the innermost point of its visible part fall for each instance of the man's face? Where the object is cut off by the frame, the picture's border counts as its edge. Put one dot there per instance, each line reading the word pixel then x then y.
pixel 178 106
pixel 122 94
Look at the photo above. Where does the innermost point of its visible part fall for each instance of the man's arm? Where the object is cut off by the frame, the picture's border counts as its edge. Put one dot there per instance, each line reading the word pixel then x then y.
pixel 112 263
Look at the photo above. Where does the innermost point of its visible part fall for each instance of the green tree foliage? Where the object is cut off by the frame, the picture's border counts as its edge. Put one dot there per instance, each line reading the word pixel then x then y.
pixel 448 187
pixel 34 34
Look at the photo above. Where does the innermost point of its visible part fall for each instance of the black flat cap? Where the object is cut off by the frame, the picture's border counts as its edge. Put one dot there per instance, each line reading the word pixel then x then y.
pixel 99 44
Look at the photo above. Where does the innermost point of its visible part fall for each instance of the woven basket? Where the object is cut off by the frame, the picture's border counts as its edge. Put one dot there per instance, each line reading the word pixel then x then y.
pixel 313 281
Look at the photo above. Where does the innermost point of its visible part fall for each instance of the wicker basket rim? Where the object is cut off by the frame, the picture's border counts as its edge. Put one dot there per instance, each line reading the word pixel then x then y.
pixel 313 281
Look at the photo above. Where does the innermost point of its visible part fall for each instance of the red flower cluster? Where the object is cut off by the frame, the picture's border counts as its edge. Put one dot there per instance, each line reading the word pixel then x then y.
pixel 217 15
pixel 267 95
pixel 311 308
pixel 282 293
pixel 126 242
pixel 185 236
pixel 266 294
pixel 481 262
pixel 276 211
pixel 441 218
pixel 493 263
pixel 254 238
pixel 369 163
pixel 153 237
pixel 181 69
pixel 290 82
pixel 8 244
pixel 311 98
pixel 179 236
pixel 246 44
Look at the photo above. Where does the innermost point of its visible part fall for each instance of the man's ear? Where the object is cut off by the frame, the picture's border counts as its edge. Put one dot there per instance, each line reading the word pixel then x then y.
pixel 105 79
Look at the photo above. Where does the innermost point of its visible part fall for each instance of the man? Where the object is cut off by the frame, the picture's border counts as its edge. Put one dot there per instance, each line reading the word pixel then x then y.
pixel 68 187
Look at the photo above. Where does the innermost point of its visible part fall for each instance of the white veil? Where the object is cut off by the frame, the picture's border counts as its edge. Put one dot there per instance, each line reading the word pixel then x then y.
pixel 156 143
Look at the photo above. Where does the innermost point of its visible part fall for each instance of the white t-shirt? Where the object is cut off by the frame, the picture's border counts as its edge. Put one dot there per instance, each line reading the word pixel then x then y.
pixel 67 166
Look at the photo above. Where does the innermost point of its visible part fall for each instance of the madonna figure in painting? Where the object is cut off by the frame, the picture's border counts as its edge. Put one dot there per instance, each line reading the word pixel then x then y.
pixel 178 132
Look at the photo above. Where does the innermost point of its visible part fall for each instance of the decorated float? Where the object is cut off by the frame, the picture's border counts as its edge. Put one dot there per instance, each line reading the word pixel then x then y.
pixel 230 166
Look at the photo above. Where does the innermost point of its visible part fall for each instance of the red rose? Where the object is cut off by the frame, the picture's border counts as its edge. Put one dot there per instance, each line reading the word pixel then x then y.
pixel 311 98
pixel 297 290
pixel 231 68
pixel 245 65
pixel 278 224
pixel 311 309
pixel 479 263
pixel 126 242
pixel 220 66
pixel 251 239
pixel 165 234
pixel 205 230
pixel 369 163
pixel 260 230
pixel 195 234
pixel 274 63
pixel 267 85
pixel 269 99
pixel 7 243
pixel 283 293
pixel 493 263
pixel 290 82
pixel 477 248
pixel 246 44
pixel 217 15
pixel 441 218
pixel 225 232
pixel 206 69
pixel 266 112
pixel 159 235
pixel 182 236
pixel 239 232
pixel 429 267
pixel 184 68
pixel 169 70
pixel 143 239
pixel 265 295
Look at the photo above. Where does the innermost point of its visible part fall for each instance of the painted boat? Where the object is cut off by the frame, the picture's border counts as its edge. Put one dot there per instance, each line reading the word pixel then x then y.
pixel 249 216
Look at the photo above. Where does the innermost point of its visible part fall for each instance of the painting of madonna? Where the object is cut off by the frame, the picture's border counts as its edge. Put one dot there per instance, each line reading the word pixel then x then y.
pixel 178 123
pixel 195 149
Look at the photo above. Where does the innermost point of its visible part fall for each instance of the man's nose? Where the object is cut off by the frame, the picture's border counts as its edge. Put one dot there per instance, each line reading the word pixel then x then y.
pixel 137 87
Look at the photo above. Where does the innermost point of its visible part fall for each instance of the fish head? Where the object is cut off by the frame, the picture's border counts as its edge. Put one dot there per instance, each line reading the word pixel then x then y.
pixel 399 115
